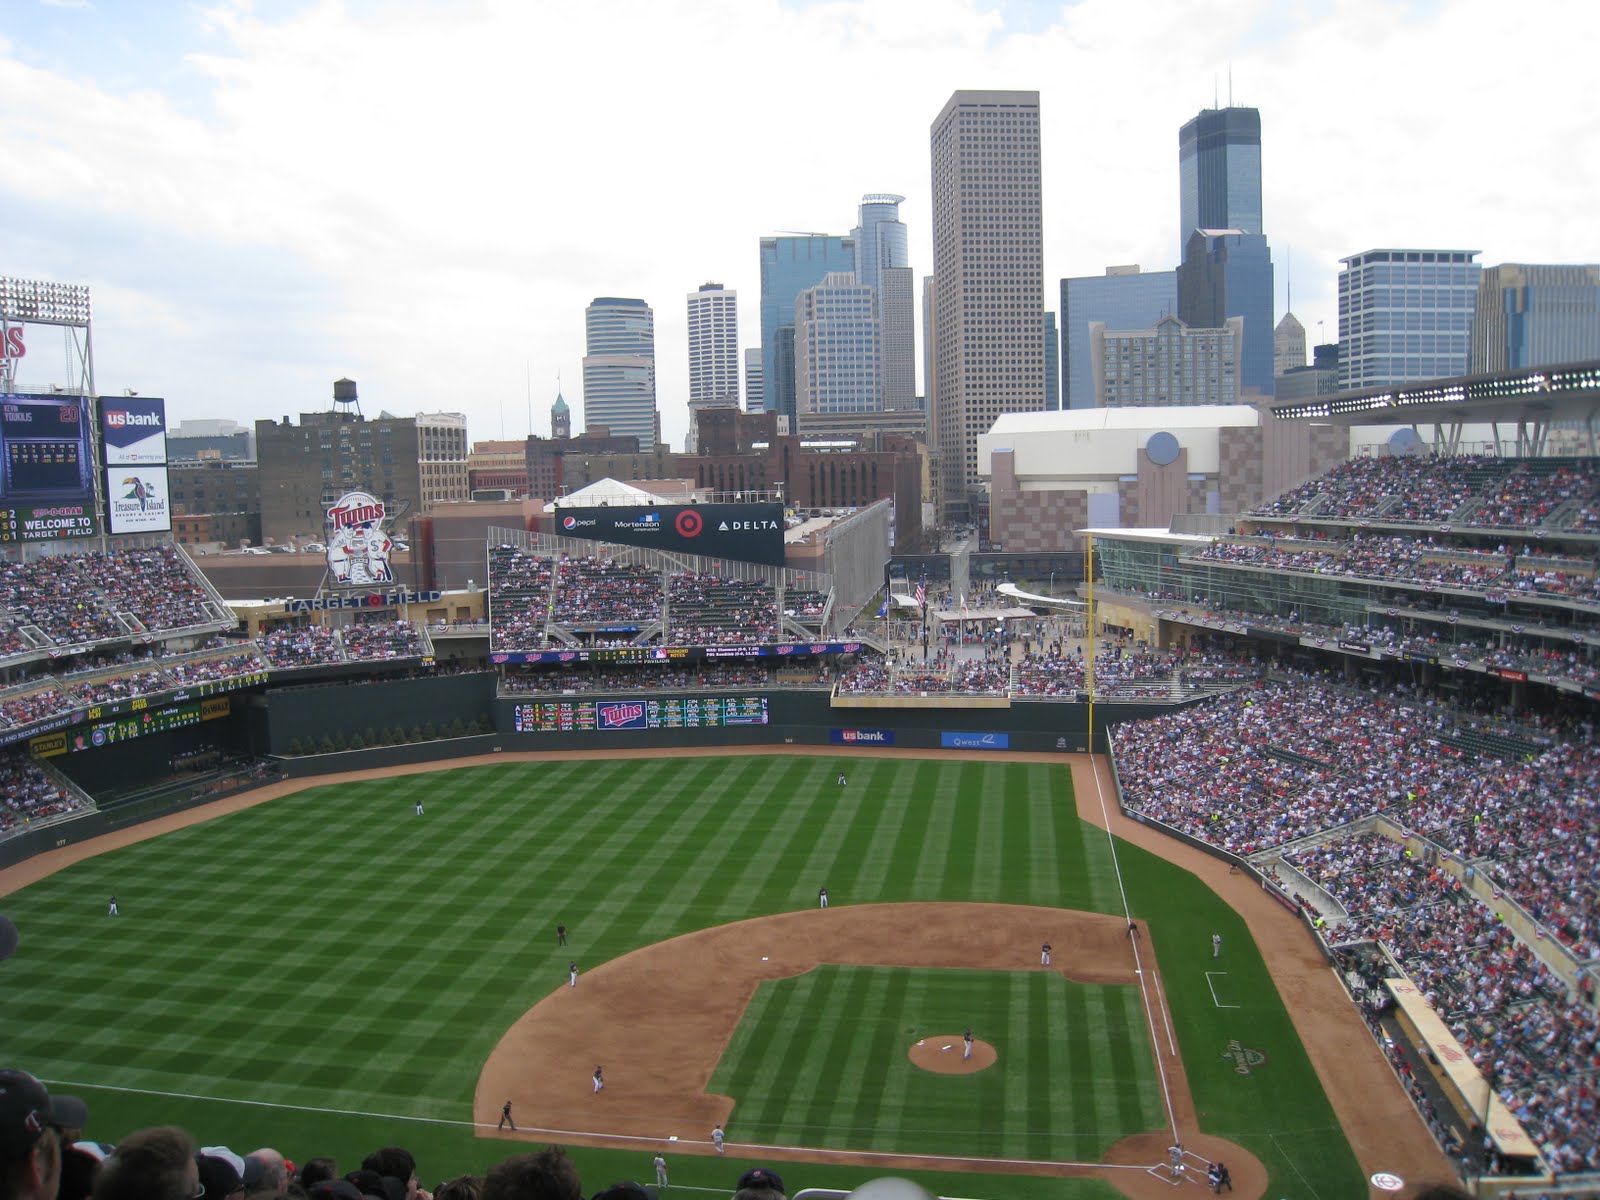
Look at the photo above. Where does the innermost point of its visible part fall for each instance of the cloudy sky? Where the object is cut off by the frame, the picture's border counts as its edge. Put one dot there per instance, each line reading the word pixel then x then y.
pixel 423 195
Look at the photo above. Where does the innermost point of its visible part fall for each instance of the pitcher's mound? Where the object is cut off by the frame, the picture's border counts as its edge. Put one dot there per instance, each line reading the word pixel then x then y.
pixel 941 1053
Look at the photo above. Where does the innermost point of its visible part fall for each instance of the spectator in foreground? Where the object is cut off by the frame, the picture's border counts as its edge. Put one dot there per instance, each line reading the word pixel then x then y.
pixel 151 1164
pixel 31 1121
pixel 547 1175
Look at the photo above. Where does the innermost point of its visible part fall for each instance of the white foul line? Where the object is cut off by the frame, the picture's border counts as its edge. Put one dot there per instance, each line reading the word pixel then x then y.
pixel 1213 988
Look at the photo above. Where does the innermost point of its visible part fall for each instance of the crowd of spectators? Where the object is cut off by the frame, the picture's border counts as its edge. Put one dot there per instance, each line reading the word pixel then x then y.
pixel 28 793
pixel 217 665
pixel 598 591
pixel 49 1157
pixel 1470 490
pixel 1286 760
pixel 291 646
pixel 1418 560
pixel 28 703
pixel 108 688
pixel 709 610
pixel 378 640
pixel 78 599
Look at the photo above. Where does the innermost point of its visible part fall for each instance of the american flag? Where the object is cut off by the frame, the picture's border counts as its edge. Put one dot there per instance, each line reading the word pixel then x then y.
pixel 922 596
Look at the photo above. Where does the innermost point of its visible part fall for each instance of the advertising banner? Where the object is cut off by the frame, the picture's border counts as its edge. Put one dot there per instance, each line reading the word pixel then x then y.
pixel 358 547
pixel 740 532
pixel 46 469
pixel 133 430
pixel 645 654
pixel 975 741
pixel 137 500
pixel 861 737
pixel 668 712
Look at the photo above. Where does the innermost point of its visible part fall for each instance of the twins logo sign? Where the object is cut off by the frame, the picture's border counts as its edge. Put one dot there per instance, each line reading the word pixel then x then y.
pixel 358 548
pixel 621 715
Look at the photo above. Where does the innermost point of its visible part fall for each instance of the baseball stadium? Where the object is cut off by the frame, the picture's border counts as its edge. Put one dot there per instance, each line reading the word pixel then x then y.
pixel 1266 863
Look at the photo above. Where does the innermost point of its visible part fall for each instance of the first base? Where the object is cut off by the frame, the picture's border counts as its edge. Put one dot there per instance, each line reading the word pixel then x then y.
pixel 947 1046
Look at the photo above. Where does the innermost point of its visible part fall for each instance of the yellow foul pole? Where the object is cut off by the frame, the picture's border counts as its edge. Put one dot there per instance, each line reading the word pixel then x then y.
pixel 1088 667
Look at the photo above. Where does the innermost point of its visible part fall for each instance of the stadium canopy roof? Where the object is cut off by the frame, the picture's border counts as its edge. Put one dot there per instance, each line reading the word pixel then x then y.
pixel 1533 396
pixel 608 492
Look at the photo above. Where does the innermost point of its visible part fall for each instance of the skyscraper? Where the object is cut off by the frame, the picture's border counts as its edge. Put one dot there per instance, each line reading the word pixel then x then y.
pixel 1405 316
pixel 619 369
pixel 713 354
pixel 1167 365
pixel 1052 362
pixel 789 265
pixel 1535 316
pixel 1219 173
pixel 836 356
pixel 754 397
pixel 1288 346
pixel 1122 298
pixel 988 271
pixel 1227 273
pixel 883 263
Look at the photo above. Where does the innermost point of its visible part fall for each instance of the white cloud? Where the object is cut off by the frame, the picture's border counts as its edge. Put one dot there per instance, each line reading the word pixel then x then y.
pixel 425 198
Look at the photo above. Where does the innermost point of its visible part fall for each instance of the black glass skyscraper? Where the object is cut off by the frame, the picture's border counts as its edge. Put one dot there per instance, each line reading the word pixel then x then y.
pixel 1219 172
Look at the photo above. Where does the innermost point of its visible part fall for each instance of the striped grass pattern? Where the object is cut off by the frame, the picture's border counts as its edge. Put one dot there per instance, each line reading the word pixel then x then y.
pixel 821 1060
pixel 332 950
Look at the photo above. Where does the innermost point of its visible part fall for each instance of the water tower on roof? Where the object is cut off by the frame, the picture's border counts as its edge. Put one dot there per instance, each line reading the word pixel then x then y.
pixel 345 399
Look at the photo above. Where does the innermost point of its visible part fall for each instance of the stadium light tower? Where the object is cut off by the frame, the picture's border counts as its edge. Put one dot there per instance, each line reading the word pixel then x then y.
pixel 26 302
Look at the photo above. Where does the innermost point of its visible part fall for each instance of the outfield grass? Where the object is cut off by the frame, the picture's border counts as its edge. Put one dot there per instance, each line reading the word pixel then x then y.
pixel 309 972
pixel 821 1060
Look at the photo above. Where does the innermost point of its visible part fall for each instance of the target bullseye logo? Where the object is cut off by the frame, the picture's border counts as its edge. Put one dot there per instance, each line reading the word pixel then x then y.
pixel 688 523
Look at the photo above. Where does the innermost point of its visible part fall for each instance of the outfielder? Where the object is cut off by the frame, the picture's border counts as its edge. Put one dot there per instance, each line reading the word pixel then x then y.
pixel 572 980
pixel 822 897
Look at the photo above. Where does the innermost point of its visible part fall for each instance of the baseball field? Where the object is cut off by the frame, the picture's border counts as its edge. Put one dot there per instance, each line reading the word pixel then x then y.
pixel 329 971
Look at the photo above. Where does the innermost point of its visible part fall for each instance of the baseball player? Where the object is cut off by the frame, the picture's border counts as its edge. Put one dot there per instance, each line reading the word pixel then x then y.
pixel 561 935
pixel 1044 955
pixel 841 778
pixel 822 897
pixel 419 807
pixel 599 1080
pixel 505 1117
pixel 661 1171
pixel 716 1138
pixel 966 1038
pixel 1216 945
pixel 111 908
pixel 572 981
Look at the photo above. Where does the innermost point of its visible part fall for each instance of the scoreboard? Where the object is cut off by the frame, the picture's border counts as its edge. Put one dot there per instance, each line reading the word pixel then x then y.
pixel 672 712
pixel 46 477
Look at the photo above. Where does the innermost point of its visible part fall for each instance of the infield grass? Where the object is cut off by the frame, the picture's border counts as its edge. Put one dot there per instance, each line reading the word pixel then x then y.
pixel 328 972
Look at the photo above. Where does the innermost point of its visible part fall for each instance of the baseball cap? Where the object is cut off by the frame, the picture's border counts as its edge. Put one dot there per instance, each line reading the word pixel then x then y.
pixel 761 1177
pixel 218 1175
pixel 27 1109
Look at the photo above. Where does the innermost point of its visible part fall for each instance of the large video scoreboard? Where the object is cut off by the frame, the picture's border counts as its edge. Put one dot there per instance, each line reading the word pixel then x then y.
pixel 46 469
pixel 672 712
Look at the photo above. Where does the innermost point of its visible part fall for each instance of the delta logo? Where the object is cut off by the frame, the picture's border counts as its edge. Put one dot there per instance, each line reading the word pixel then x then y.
pixel 746 526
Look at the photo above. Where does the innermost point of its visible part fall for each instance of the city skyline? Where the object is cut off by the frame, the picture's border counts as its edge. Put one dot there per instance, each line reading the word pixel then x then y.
pixel 262 204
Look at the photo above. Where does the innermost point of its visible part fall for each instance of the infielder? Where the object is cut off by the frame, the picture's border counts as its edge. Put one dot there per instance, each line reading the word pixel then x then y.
pixel 419 808
pixel 661 1172
pixel 822 897
pixel 505 1117
pixel 599 1080
pixel 966 1038
pixel 716 1139
pixel 1044 955
pixel 572 981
